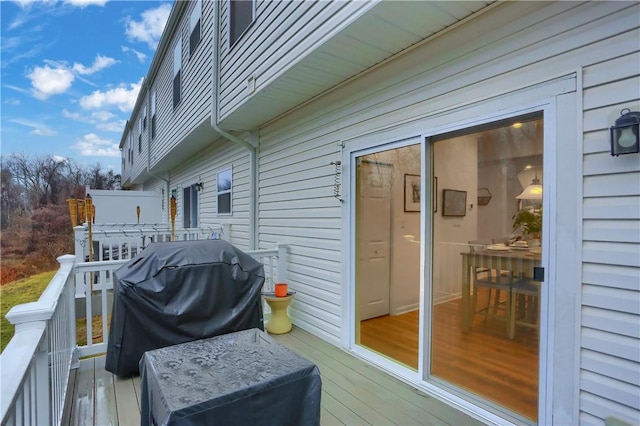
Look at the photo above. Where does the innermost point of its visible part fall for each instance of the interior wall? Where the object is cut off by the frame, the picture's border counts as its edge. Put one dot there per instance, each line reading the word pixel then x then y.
pixel 455 166
pixel 405 258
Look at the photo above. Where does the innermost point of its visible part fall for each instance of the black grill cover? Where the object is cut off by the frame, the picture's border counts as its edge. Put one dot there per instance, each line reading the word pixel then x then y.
pixel 176 292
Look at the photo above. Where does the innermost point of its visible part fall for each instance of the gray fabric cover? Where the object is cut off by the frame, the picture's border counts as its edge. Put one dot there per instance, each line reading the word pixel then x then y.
pixel 243 378
pixel 175 292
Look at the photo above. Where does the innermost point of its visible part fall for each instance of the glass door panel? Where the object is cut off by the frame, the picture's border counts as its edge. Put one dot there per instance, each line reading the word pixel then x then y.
pixel 486 241
pixel 387 250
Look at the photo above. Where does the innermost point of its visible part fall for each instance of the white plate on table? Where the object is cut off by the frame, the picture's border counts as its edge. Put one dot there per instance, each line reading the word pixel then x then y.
pixel 497 247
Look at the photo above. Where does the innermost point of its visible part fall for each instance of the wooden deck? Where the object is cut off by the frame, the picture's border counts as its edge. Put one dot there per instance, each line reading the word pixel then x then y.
pixel 353 392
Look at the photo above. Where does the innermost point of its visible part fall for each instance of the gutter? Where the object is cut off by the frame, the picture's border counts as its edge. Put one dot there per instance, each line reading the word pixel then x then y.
pixel 251 146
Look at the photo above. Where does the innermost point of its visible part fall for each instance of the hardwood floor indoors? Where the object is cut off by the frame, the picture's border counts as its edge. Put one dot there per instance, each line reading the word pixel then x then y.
pixel 484 360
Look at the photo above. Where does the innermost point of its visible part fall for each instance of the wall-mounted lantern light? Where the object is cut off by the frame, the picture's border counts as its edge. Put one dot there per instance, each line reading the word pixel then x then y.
pixel 625 134
pixel 199 186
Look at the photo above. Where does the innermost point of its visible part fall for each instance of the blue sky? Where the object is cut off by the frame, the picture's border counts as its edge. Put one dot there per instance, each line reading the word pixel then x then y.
pixel 71 71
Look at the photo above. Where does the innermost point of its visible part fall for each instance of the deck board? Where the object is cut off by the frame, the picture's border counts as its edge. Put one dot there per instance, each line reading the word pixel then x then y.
pixel 353 392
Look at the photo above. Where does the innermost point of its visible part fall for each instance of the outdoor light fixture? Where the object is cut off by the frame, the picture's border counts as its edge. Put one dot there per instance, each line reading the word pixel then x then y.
pixel 199 186
pixel 625 134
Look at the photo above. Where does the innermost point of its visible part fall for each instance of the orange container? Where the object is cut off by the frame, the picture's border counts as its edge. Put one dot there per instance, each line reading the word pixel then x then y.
pixel 281 289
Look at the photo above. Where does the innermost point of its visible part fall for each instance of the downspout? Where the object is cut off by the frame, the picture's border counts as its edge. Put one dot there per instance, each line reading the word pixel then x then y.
pixel 251 146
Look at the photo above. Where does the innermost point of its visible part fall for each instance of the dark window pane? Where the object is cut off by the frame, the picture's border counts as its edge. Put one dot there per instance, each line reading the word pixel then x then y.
pixel 241 15
pixel 153 126
pixel 176 90
pixel 186 210
pixel 224 203
pixel 195 38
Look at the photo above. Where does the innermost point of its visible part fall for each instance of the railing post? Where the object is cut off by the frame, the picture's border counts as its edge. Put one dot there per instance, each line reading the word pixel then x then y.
pixel 283 250
pixel 226 232
pixel 80 240
pixel 71 302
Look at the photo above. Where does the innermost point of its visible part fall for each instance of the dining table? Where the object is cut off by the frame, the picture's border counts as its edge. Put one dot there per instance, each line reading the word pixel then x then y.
pixel 518 261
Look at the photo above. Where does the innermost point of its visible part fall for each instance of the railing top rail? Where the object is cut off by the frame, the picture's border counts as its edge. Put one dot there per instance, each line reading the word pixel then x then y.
pixel 43 309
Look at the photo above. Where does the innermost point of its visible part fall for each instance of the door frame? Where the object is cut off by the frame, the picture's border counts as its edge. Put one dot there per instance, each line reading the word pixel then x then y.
pixel 559 331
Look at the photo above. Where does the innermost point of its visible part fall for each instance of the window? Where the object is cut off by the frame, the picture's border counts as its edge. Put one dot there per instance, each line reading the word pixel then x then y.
pixel 240 17
pixel 144 118
pixel 190 207
pixel 177 64
pixel 224 184
pixel 131 146
pixel 153 114
pixel 139 135
pixel 194 27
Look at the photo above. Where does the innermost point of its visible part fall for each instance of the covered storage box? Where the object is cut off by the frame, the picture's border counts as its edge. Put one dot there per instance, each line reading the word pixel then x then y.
pixel 175 292
pixel 243 378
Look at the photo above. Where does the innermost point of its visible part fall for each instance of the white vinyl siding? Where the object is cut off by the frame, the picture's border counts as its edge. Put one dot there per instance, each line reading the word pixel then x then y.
pixel 174 126
pixel 203 167
pixel 515 47
pixel 281 34
pixel 610 332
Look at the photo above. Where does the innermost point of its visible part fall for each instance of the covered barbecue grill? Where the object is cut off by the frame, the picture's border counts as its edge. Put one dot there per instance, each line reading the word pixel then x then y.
pixel 175 292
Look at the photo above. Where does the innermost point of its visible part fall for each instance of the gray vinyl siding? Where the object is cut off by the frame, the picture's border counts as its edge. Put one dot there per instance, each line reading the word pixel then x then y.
pixel 173 125
pixel 515 47
pixel 139 157
pixel 203 167
pixel 282 33
pixel 610 329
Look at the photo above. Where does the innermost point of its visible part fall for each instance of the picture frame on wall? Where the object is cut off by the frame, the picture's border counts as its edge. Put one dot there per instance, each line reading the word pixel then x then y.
pixel 412 193
pixel 454 202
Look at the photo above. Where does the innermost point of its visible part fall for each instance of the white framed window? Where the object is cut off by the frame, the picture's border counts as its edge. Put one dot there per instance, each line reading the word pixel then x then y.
pixel 241 15
pixel 194 26
pixel 224 184
pixel 153 114
pixel 144 118
pixel 177 64
pixel 190 206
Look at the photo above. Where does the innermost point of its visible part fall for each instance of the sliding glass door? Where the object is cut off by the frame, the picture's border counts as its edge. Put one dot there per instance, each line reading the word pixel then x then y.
pixel 486 242
pixel 387 250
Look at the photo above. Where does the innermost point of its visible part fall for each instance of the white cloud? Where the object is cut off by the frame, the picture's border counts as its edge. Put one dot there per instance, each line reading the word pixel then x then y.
pixel 47 81
pixel 59 159
pixel 141 56
pixel 84 3
pixel 122 97
pixel 91 145
pixel 150 27
pixel 100 63
pixel 39 129
pixel 103 120
pixel 55 77
pixel 12 101
pixel 112 126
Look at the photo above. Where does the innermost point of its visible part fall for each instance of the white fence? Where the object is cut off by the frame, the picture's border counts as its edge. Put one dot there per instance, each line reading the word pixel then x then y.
pixel 35 365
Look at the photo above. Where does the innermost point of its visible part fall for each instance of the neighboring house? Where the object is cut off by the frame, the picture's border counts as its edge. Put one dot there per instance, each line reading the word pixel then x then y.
pixel 377 139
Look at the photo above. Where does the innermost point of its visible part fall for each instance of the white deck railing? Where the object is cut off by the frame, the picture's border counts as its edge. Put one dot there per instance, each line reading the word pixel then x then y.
pixel 35 365
pixel 117 241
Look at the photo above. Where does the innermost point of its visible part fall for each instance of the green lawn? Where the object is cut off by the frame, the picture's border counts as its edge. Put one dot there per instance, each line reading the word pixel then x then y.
pixel 16 293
